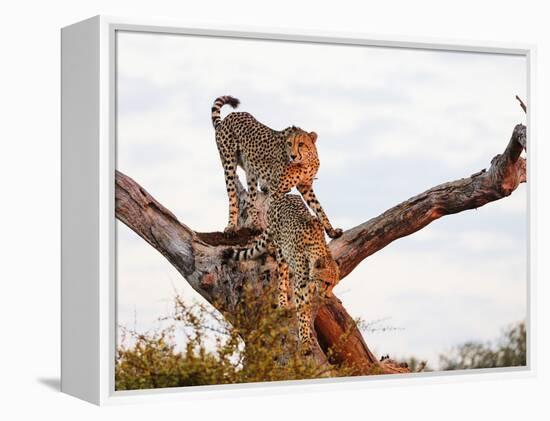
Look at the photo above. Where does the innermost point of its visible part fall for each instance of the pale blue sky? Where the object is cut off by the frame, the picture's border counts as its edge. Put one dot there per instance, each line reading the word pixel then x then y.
pixel 391 123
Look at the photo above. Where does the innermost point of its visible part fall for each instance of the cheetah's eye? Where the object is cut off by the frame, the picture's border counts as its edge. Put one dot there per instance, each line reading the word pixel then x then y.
pixel 300 144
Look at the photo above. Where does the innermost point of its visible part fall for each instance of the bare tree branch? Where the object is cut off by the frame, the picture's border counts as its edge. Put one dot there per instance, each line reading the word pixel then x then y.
pixel 507 171
pixel 154 223
pixel 522 104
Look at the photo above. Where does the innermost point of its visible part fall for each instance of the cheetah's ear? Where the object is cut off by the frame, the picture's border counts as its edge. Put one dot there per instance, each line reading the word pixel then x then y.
pixel 313 136
pixel 319 263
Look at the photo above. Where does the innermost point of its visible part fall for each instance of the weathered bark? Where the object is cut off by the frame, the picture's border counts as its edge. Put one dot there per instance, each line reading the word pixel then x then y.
pixel 197 256
pixel 507 171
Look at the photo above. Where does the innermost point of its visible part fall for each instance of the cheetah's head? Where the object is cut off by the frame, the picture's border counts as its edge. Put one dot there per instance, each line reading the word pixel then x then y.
pixel 327 273
pixel 300 146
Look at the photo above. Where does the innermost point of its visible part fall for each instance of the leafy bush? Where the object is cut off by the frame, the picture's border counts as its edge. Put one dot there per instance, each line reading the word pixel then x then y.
pixel 509 351
pixel 215 351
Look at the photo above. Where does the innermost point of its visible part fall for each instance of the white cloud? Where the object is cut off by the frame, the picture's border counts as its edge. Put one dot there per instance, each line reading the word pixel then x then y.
pixel 477 241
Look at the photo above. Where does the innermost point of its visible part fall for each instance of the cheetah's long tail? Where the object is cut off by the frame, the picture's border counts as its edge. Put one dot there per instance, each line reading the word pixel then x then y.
pixel 218 104
pixel 258 248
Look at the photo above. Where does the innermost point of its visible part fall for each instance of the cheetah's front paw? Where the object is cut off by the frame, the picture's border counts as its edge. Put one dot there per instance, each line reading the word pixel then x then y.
pixel 335 233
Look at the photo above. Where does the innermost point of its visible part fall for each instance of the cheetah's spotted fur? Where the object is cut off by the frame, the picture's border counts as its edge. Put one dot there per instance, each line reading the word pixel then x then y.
pixel 299 241
pixel 278 160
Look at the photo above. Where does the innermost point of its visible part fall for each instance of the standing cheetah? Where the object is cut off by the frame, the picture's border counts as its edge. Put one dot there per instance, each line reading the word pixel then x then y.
pixel 278 160
pixel 300 246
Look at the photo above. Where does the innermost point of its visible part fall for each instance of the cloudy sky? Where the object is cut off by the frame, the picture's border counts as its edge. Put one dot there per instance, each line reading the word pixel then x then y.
pixel 391 124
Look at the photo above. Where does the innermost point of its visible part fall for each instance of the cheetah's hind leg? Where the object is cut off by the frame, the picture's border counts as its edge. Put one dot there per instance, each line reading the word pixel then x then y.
pixel 303 297
pixel 252 211
pixel 283 281
pixel 230 166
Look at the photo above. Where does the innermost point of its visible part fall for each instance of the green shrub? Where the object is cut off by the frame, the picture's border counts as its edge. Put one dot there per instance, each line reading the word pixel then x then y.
pixel 509 351
pixel 215 352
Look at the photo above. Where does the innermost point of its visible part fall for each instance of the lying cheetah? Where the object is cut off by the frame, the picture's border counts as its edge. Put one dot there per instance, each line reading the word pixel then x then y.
pixel 278 160
pixel 299 241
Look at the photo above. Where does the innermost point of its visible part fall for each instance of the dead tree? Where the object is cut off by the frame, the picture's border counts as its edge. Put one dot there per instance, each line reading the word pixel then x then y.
pixel 197 256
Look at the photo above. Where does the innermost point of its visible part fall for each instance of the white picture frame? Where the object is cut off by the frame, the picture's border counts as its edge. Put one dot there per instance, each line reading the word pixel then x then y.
pixel 88 220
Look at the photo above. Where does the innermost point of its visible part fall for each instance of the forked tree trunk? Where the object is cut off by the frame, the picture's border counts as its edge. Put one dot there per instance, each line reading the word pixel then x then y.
pixel 197 255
